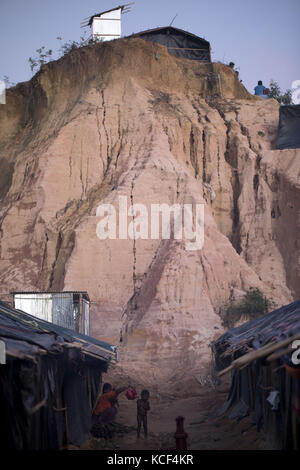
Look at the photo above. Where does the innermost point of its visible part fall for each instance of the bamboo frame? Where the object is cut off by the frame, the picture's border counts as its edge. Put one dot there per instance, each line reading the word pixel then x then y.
pixel 266 350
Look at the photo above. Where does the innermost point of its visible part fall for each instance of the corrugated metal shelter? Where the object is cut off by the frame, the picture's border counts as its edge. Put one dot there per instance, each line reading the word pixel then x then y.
pixel 50 382
pixel 179 43
pixel 68 309
pixel 106 26
pixel 265 381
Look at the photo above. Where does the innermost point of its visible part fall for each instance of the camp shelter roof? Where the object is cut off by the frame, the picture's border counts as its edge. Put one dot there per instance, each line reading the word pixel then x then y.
pixel 25 336
pixel 84 293
pixel 276 326
pixel 264 383
pixel 179 43
pixel 166 29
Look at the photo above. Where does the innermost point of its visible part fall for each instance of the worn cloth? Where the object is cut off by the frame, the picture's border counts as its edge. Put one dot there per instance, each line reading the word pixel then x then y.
pixel 105 401
pixel 107 416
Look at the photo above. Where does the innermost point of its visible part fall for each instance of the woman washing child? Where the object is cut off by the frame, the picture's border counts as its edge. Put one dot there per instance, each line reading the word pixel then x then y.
pixel 106 408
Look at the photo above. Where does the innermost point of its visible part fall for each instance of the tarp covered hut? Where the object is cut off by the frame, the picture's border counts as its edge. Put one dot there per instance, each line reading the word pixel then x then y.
pixel 265 380
pixel 49 383
pixel 178 42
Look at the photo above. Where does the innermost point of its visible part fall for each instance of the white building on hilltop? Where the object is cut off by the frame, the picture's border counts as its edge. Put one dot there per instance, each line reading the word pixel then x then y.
pixel 106 26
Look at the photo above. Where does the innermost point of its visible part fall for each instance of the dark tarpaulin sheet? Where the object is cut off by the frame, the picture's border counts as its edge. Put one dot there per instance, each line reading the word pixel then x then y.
pixel 179 44
pixel 46 400
pixel 278 324
pixel 76 396
pixel 15 324
pixel 288 135
pixel 251 385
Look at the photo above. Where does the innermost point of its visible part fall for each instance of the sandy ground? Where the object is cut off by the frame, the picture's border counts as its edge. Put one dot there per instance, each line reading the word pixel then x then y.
pixel 205 430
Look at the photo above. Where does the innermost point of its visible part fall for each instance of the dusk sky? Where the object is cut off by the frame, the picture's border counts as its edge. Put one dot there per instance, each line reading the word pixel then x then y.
pixel 261 37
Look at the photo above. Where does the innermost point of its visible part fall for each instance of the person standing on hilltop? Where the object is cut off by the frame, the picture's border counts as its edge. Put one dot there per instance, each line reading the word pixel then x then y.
pixel 260 90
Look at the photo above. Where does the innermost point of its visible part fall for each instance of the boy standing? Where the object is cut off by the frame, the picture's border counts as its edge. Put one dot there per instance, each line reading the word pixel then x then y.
pixel 143 407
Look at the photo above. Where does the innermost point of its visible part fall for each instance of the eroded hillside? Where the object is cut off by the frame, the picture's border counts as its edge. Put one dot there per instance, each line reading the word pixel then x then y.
pixel 126 118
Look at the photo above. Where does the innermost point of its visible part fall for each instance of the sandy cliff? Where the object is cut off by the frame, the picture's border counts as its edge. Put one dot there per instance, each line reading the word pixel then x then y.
pixel 127 119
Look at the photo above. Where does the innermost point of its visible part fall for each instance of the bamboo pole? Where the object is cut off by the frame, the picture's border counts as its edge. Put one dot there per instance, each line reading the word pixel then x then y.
pixel 279 354
pixel 266 350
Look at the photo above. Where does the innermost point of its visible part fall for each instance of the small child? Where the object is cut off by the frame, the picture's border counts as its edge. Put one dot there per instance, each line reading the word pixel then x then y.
pixel 143 407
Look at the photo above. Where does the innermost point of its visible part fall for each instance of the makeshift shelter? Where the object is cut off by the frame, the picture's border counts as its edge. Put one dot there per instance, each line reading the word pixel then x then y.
pixel 288 135
pixel 178 42
pixel 67 309
pixel 50 382
pixel 265 380
pixel 106 25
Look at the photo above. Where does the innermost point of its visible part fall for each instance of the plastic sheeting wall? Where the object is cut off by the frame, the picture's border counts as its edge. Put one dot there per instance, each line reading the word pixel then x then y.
pixel 288 135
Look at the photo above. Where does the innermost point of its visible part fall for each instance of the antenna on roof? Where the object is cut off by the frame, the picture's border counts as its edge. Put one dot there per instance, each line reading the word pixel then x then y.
pixel 127 7
pixel 173 19
pixel 124 9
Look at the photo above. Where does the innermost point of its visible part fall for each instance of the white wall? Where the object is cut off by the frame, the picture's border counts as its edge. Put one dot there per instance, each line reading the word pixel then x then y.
pixel 107 26
pixel 38 305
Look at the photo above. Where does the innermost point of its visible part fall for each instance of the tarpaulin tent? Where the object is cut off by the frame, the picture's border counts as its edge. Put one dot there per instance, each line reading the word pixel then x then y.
pixel 265 381
pixel 288 135
pixel 50 382
pixel 179 43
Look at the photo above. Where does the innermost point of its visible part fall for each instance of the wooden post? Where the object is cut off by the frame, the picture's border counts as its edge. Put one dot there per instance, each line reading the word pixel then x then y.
pixel 80 314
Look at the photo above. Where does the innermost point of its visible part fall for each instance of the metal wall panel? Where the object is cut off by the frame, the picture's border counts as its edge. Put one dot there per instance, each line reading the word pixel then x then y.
pixel 38 305
pixel 62 309
pixel 63 313
pixel 85 317
pixel 107 26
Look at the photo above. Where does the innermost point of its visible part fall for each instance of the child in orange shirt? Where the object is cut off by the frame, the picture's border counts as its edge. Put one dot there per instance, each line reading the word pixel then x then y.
pixel 105 410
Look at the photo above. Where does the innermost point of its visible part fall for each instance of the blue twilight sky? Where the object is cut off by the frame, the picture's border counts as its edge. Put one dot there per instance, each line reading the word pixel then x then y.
pixel 261 37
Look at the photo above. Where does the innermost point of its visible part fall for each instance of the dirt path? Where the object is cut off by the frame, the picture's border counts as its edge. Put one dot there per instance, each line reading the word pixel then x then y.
pixel 205 430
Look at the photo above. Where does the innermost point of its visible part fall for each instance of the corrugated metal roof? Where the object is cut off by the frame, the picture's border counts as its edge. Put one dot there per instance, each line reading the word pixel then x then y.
pixel 39 335
pixel 55 293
